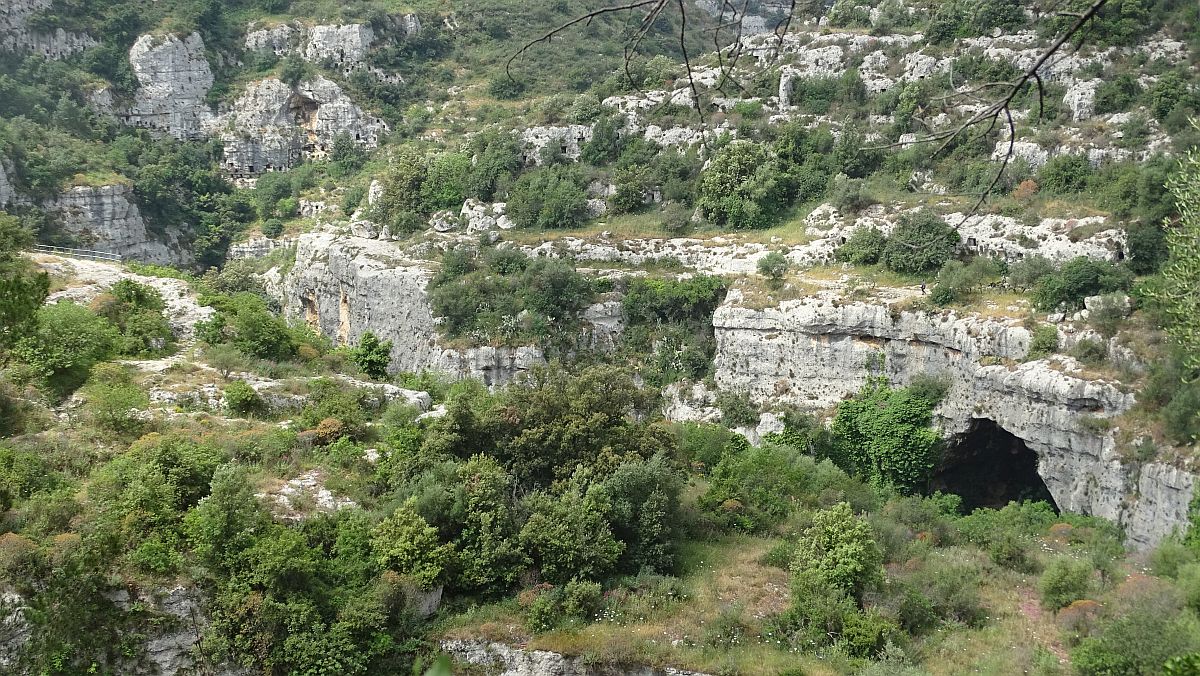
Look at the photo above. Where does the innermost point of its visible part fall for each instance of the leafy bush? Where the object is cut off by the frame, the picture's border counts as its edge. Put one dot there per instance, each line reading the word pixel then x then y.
pixel 1077 279
pixel 737 410
pixel 839 551
pixel 242 399
pixel 741 187
pixel 405 543
pixel 568 535
pixel 921 242
pixel 864 247
pixel 1065 581
pixel 885 435
pixel 113 400
pixel 552 197
pixel 1065 174
pixel 67 342
pixel 774 266
pixel 1044 341
pixel 372 356
pixel 1026 273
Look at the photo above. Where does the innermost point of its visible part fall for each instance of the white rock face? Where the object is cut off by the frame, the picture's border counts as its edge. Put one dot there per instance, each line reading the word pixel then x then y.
pixel 88 279
pixel 17 36
pixel 8 192
pixel 508 661
pixel 1081 99
pixel 812 353
pixel 346 45
pixel 567 139
pixel 255 247
pixel 174 78
pixel 105 218
pixel 272 126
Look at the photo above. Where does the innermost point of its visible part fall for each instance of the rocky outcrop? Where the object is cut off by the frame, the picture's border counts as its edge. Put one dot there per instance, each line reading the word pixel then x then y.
pixel 272 126
pixel 106 218
pixel 8 192
pixel 509 661
pixel 811 353
pixel 346 286
pixel 17 36
pixel 344 47
pixel 566 140
pixel 87 279
pixel 174 78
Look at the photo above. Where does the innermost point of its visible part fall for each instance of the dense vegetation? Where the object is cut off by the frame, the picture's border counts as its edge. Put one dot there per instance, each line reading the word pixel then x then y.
pixel 562 511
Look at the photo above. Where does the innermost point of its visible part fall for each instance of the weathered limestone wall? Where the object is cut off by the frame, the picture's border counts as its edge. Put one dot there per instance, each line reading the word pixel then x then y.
pixel 106 218
pixel 812 353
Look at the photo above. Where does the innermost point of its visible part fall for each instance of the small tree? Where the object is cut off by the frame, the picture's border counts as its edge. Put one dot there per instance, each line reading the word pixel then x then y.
pixel 921 242
pixel 774 266
pixel 407 544
pixel 372 356
pixel 864 247
pixel 838 550
pixel 1065 581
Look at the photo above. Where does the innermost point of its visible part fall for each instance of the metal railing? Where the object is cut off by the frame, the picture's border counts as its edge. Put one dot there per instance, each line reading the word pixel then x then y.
pixel 87 254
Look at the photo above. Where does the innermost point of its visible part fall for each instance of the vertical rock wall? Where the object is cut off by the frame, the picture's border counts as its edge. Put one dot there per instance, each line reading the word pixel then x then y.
pixel 17 36
pixel 106 218
pixel 812 353
pixel 174 79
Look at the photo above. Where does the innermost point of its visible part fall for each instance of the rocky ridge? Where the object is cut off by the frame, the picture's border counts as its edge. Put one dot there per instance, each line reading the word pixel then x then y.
pixel 106 218
pixel 813 352
pixel 509 661
pixel 17 36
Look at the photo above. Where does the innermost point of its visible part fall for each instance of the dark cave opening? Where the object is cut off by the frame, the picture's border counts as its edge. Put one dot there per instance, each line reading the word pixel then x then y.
pixel 989 467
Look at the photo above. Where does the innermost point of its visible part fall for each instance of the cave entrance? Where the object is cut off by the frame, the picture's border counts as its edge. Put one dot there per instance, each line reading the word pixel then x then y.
pixel 989 467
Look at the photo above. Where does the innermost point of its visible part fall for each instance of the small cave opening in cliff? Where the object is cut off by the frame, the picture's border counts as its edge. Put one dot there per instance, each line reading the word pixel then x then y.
pixel 989 467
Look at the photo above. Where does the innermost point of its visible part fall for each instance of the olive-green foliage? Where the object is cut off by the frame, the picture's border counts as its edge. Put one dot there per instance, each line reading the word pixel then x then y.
pixel 22 289
pixel 864 247
pixel 1007 534
pixel 968 18
pixel 137 311
pixel 1117 94
pixel 576 601
pixel 921 242
pixel 754 489
pixel 244 321
pixel 644 512
pixel 1044 341
pixel 1026 273
pixel 838 550
pixel 68 341
pixel 1065 174
pixel 22 475
pixel 885 435
pixel 552 197
pixel 502 296
pixel 1064 581
pixel 1077 279
pixel 1140 629
pixel 1177 292
pixel 669 332
pixel 568 535
pixel 372 356
pixel 406 544
pixel 774 266
pixel 959 282
pixel 113 400
pixel 242 399
pixel 741 188
pixel 490 554
pixel 702 444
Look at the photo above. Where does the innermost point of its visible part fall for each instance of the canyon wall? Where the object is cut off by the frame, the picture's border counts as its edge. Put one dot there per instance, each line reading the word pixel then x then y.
pixel 813 352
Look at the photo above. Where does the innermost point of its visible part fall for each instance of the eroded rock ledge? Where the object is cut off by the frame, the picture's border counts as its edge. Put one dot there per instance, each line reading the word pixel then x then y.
pixel 814 352
pixel 509 661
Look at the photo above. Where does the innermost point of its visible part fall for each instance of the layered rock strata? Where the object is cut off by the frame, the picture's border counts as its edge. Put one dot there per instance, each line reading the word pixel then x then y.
pixel 812 353
pixel 174 78
pixel 509 661
pixel 106 218
pixel 17 36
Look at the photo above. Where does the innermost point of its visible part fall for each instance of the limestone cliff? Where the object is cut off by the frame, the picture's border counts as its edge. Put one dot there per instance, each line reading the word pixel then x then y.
pixel 17 36
pixel 813 352
pixel 106 218
pixel 272 126
pixel 174 78
pixel 508 661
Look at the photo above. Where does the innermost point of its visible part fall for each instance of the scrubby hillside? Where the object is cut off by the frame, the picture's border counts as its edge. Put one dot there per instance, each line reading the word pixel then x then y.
pixel 688 339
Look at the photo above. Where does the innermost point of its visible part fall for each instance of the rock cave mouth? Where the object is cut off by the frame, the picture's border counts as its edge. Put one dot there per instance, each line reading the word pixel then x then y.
pixel 989 466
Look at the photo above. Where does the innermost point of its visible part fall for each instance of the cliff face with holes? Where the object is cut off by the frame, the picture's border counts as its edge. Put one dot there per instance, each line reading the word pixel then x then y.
pixel 106 218
pixel 813 352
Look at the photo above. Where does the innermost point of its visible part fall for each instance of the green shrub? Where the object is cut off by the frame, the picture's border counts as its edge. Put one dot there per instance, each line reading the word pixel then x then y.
pixel 242 399
pixel 1043 342
pixel 67 342
pixel 839 551
pixel 737 410
pixel 372 356
pixel 1090 352
pixel 551 197
pixel 1077 279
pixel 1026 273
pixel 113 400
pixel 741 188
pixel 864 247
pixel 1065 174
pixel 273 227
pixel 921 242
pixel 885 435
pixel 774 266
pixel 1065 581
